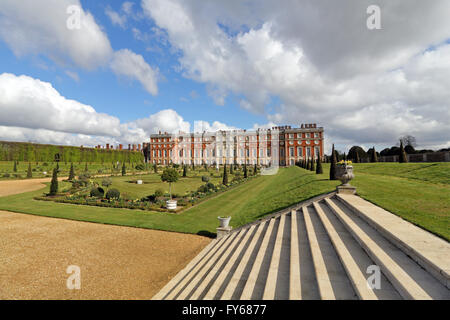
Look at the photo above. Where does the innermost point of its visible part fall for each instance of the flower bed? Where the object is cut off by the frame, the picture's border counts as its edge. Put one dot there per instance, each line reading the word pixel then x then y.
pixel 81 196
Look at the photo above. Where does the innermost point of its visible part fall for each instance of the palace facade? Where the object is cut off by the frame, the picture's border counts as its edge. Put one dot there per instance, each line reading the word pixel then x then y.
pixel 282 146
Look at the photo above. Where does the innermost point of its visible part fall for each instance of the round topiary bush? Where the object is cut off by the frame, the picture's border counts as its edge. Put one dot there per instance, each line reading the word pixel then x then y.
pixel 159 193
pixel 97 192
pixel 113 194
pixel 205 178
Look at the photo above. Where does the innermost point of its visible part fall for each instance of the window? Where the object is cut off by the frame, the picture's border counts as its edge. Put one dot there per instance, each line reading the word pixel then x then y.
pixel 291 152
pixel 317 152
pixel 316 135
pixel 308 152
pixel 268 152
pixel 299 152
pixel 282 152
pixel 307 135
pixel 291 136
pixel 254 153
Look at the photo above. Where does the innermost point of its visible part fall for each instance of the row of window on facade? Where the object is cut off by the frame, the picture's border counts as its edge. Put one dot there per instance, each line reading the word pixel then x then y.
pixel 232 153
pixel 242 138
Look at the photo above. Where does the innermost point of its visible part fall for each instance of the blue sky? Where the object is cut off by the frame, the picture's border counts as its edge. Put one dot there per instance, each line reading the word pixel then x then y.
pixel 122 97
pixel 139 66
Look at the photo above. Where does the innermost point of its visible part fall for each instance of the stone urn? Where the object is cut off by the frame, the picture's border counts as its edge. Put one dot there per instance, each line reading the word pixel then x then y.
pixel 224 221
pixel 344 173
pixel 171 204
pixel 139 182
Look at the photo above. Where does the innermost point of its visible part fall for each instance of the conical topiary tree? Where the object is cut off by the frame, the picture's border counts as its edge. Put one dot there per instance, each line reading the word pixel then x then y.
pixel 29 173
pixel 307 164
pixel 124 169
pixel 184 171
pixel 255 169
pixel 71 172
pixel 402 157
pixel 225 175
pixel 15 166
pixel 312 167
pixel 373 156
pixel 319 169
pixel 86 168
pixel 231 169
pixel 155 168
pixel 54 183
pixel 333 165
pixel 245 171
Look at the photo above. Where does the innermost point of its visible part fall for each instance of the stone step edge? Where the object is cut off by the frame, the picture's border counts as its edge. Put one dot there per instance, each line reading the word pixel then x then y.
pixel 437 271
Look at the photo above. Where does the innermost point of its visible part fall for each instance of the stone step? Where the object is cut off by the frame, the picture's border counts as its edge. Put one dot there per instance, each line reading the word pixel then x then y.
pixel 185 280
pixel 353 258
pixel 203 272
pixel 228 268
pixel 295 285
pixel 428 250
pixel 331 278
pixel 214 272
pixel 272 276
pixel 409 279
pixel 249 289
pixel 185 271
pixel 240 275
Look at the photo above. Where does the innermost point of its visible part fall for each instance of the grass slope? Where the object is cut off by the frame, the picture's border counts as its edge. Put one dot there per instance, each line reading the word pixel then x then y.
pixel 260 196
pixel 418 193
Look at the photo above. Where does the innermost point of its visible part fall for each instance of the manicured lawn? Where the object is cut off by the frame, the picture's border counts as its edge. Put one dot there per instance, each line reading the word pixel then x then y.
pixel 130 190
pixel 418 193
pixel 253 199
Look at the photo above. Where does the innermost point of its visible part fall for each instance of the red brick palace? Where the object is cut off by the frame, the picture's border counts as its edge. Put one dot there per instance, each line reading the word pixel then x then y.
pixel 282 145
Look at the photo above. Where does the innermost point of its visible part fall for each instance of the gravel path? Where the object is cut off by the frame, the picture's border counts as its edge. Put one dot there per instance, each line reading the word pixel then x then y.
pixel 115 262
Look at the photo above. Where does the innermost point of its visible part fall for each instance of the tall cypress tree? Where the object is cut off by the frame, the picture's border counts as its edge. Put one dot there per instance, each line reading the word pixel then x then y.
pixel 319 169
pixel 184 171
pixel 333 165
pixel 29 173
pixel 231 169
pixel 86 168
pixel 307 164
pixel 357 159
pixel 312 167
pixel 374 157
pixel 245 171
pixel 71 172
pixel 54 183
pixel 255 169
pixel 402 156
pixel 155 168
pixel 15 166
pixel 124 169
pixel 225 175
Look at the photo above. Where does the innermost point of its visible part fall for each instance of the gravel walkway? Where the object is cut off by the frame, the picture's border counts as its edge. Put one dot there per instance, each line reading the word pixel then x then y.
pixel 115 262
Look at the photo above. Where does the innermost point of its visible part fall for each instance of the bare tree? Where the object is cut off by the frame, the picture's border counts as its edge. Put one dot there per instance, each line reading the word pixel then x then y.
pixel 408 141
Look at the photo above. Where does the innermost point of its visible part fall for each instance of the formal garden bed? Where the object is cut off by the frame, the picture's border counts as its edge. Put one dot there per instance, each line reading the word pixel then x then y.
pixel 110 191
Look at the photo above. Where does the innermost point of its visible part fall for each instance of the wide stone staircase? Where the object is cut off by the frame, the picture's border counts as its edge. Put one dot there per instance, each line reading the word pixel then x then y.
pixel 330 248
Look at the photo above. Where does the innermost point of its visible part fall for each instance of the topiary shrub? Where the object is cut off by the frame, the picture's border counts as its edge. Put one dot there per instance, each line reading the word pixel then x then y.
pixel 106 182
pixel 113 194
pixel 6 175
pixel 205 178
pixel 97 192
pixel 159 193
pixel 140 167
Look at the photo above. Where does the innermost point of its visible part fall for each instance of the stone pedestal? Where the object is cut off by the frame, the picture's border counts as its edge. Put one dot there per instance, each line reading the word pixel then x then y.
pixel 221 232
pixel 348 189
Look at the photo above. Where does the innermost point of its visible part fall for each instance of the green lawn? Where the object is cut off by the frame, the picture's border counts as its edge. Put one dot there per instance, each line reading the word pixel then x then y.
pixel 255 198
pixel 130 190
pixel 417 192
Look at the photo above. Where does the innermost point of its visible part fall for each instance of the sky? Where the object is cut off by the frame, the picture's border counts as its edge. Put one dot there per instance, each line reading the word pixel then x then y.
pixel 94 72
